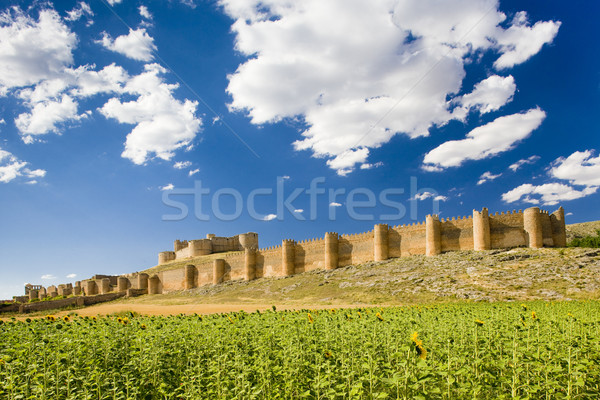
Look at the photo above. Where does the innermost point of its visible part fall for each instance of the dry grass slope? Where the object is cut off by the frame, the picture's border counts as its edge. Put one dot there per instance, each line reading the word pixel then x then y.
pixel 517 274
pixel 495 275
pixel 582 229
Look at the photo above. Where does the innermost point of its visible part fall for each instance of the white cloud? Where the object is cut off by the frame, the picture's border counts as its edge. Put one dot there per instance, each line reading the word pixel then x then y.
pixel 429 195
pixel 48 277
pixel 12 168
pixel 359 72
pixel 79 11
pixel 285 177
pixel 530 160
pixel 269 217
pixel 547 194
pixel 423 196
pixel 486 141
pixel 45 117
pixel 569 214
pixel 194 172
pixel 71 276
pixel 163 123
pixel 113 2
pixel 144 12
pixel 189 3
pixel 182 164
pixel 169 186
pixel 487 96
pixel 487 176
pixel 334 204
pixel 137 45
pixel 519 42
pixel 30 50
pixel 580 168
pixel 299 210
pixel 370 166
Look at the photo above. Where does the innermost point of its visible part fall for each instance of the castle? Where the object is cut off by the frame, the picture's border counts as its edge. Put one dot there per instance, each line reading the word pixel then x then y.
pixel 243 260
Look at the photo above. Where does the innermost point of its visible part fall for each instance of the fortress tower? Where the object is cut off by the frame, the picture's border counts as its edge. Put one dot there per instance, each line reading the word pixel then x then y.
pixel 183 249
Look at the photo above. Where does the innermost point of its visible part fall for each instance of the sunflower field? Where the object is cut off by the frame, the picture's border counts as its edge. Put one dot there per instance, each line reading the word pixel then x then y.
pixel 535 350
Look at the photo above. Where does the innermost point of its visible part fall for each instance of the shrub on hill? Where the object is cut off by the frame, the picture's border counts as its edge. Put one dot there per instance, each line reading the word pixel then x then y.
pixel 586 241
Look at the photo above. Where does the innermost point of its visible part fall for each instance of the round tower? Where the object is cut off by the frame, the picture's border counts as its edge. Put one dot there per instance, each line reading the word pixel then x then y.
pixel 190 277
pixel 218 271
pixel 331 250
pixel 249 263
pixel 380 242
pixel 142 281
pixel 104 286
pixel 559 232
pixel 200 247
pixel 433 240
pixel 154 285
pixel 532 222
pixel 33 294
pixel 481 230
pixel 288 257
pixel 90 288
pixel 248 240
pixel 122 284
pixel 165 257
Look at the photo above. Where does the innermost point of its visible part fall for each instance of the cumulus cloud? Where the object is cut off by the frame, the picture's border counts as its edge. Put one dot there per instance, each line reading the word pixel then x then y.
pixel 269 217
pixel 487 96
pixel 30 50
pixel 162 123
pixel 548 194
pixel 358 72
pixel 370 166
pixel 144 12
pixel 520 41
pixel 193 172
pixel 429 195
pixel 113 2
pixel 486 141
pixel 48 277
pixel 579 169
pixel 71 276
pixel 12 168
pixel 299 210
pixel 82 9
pixel 182 164
pixel 486 177
pixel 137 45
pixel 529 160
pixel 169 186
pixel 46 116
pixel 334 204
pixel 35 63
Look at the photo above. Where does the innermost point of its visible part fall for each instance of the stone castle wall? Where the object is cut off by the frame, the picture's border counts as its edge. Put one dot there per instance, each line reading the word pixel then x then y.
pixel 481 231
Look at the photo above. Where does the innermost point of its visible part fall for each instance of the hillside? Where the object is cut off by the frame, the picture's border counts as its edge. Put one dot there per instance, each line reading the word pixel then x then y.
pixel 582 229
pixel 517 274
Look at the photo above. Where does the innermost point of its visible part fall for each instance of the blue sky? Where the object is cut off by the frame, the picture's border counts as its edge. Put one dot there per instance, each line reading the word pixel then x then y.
pixel 111 111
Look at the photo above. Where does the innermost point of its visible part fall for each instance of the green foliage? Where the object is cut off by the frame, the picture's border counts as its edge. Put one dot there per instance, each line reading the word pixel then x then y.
pixel 586 241
pixel 536 350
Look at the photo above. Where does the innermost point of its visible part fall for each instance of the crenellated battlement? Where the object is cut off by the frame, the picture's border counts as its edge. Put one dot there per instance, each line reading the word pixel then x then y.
pixel 482 230
pixel 212 244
